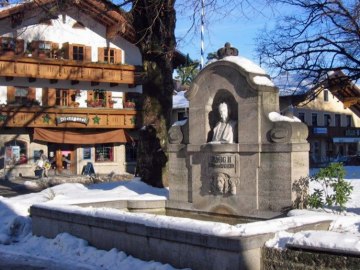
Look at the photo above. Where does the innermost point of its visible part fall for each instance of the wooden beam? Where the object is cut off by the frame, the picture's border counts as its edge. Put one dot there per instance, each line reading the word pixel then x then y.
pixel 113 84
pixel 9 78
pixel 52 81
pixel 73 82
pixel 31 80
pixel 349 101
pixel 94 83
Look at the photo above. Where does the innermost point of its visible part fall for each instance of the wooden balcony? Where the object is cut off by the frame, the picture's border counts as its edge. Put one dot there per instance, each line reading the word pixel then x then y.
pixel 74 71
pixel 67 117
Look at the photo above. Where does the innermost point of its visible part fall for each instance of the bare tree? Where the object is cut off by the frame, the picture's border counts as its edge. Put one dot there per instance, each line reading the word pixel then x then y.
pixel 318 37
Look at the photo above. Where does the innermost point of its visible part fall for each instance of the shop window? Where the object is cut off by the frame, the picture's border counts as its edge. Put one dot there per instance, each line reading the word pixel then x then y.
pixel 16 152
pixel 131 149
pixel 104 152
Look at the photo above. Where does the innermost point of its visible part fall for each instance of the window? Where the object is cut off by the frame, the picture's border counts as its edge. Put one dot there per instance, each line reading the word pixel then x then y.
pixel 104 152
pixel 64 97
pixel 326 95
pixel 16 152
pixel 314 119
pixel 109 55
pixel 78 53
pixel 182 116
pixel 21 95
pixel 348 120
pixel 42 49
pixel 327 120
pixel 302 117
pixel 337 120
pixel 10 46
pixel 8 43
pixel 131 149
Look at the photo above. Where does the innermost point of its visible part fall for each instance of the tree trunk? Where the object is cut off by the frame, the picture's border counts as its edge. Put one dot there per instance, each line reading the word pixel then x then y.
pixel 154 22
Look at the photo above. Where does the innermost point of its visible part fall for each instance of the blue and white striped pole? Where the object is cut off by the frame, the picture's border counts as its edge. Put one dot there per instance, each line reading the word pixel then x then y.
pixel 202 33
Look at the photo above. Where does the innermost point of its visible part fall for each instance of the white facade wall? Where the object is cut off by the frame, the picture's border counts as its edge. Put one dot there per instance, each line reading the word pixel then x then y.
pixel 62 31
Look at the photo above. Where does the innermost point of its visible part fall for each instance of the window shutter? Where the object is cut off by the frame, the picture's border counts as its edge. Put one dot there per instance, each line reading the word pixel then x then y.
pixel 19 47
pixel 31 93
pixel 68 52
pixel 87 56
pixel 35 47
pixel 10 94
pixel 101 54
pixel 51 96
pixel 118 56
pixel 90 95
pixel 108 97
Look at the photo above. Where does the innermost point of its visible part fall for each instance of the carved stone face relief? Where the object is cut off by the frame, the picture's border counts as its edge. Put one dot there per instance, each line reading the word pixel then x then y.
pixel 221 183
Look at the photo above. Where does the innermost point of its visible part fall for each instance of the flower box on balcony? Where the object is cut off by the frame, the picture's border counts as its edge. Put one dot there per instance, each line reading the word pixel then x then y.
pixel 129 105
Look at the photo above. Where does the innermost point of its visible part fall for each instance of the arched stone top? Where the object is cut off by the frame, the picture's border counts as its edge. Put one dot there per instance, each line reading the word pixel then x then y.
pixel 255 77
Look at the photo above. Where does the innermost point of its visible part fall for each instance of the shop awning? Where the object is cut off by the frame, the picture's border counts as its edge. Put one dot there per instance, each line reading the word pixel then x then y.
pixel 346 139
pixel 81 137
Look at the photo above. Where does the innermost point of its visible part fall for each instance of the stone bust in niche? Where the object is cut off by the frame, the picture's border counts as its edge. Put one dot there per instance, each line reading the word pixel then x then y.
pixel 225 129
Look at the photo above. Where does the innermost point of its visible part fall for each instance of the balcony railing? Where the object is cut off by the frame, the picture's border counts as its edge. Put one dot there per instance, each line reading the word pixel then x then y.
pixel 62 69
pixel 67 117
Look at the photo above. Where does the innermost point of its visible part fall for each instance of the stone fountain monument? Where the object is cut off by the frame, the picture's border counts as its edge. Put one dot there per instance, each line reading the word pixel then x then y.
pixel 235 156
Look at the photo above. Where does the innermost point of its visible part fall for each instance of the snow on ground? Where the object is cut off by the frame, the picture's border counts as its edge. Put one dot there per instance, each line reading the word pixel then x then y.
pixel 20 247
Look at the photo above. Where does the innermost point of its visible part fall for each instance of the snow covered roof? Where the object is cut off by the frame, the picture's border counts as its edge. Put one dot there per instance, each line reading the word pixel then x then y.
pixel 180 101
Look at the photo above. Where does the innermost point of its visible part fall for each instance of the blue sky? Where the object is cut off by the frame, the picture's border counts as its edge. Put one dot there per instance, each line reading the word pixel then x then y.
pixel 237 29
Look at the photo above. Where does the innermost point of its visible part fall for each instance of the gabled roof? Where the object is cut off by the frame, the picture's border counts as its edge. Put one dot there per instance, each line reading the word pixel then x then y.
pixel 103 11
pixel 336 82
pixel 345 90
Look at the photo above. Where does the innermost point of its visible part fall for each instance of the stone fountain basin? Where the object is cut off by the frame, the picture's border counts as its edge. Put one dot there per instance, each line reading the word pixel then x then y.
pixel 180 248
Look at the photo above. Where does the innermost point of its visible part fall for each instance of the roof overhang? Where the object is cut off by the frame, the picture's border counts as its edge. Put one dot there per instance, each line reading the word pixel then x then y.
pixel 105 12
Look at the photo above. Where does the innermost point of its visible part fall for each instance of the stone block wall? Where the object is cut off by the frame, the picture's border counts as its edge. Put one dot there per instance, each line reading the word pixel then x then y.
pixel 300 259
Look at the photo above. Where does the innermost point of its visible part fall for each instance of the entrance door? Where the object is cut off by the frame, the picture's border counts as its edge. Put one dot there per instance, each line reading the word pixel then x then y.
pixel 65 159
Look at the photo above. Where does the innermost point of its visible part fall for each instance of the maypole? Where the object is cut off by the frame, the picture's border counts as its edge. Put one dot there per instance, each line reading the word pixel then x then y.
pixel 202 32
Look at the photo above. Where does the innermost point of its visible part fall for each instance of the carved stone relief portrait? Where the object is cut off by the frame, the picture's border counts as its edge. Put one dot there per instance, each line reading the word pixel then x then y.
pixel 221 183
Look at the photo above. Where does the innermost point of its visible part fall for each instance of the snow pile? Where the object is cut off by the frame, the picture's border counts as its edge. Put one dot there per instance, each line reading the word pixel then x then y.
pixel 180 101
pixel 277 117
pixel 17 243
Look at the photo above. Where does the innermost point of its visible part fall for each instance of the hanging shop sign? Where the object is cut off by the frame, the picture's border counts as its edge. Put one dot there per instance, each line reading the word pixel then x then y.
pixel 75 119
